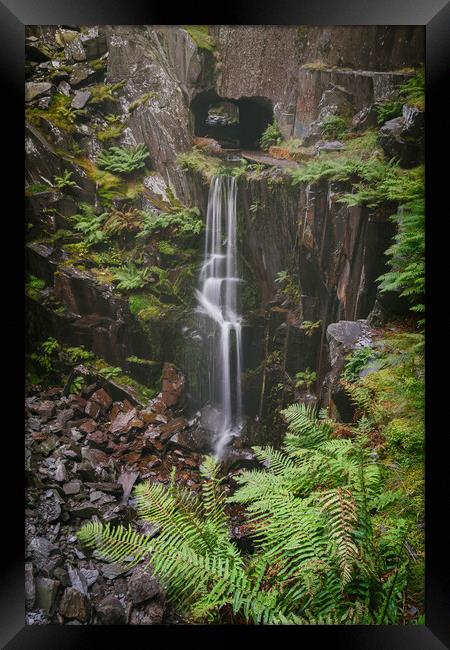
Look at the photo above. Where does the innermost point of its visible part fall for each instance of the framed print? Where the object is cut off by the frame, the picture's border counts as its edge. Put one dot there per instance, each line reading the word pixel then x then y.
pixel 226 417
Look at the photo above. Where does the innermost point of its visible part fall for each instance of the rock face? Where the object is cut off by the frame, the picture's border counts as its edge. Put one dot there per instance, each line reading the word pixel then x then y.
pixel 342 338
pixel 402 138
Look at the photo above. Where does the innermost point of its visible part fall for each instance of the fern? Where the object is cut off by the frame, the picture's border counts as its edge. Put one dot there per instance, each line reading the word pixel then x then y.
pixel 123 160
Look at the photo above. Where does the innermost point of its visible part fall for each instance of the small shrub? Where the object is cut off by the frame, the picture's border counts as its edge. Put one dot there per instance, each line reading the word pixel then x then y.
pixel 270 136
pixel 305 378
pixel 90 224
pixel 64 181
pixel 357 360
pixel 129 277
pixel 333 127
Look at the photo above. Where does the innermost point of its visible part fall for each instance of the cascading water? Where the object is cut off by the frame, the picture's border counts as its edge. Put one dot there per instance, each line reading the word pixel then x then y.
pixel 218 309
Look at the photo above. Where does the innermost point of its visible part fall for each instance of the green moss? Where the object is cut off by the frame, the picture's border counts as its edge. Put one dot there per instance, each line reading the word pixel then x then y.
pixel 103 92
pixel 143 99
pixel 201 36
pixel 34 286
pixel 198 161
pixel 60 113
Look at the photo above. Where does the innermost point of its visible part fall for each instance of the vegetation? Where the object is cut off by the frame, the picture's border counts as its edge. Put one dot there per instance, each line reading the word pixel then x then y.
pixel 104 92
pixel 270 136
pixel 334 127
pixel 201 36
pixel 89 223
pixel 123 160
pixel 305 378
pixel 319 557
pixel 407 256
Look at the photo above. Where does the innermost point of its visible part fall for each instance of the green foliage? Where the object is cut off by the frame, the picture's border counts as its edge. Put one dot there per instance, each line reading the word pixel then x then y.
pixel 123 160
pixel 357 360
pixel 201 36
pixel 143 99
pixel 103 92
pixel 36 188
pixel 90 224
pixel 76 384
pixel 142 362
pixel 270 136
pixel 334 127
pixel 124 223
pixel 45 358
pixel 310 327
pixel 34 286
pixel 110 372
pixel 60 113
pixel 289 286
pixel 166 248
pixel 147 307
pixel 388 110
pixel 129 277
pixel 182 222
pixel 64 181
pixel 113 130
pixel 407 255
pixel 78 354
pixel 305 378
pixel 198 161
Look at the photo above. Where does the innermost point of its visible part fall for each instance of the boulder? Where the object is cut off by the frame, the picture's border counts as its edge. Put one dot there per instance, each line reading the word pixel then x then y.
pixel 33 90
pixel 81 98
pixel 192 439
pixel 80 73
pixel 75 605
pixel 111 611
pixel 46 590
pixel 403 137
pixel 142 586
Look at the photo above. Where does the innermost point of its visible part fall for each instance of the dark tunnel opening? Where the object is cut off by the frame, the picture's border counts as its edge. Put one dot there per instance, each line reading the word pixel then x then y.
pixel 234 123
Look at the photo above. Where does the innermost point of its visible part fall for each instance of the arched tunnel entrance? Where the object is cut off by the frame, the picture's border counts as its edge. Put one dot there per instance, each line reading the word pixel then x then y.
pixel 234 123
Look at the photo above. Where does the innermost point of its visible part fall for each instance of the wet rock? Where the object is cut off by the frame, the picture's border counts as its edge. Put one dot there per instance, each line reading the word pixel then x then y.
pixel 36 89
pixel 90 576
pixel 61 574
pixel 177 425
pixel 113 570
pixel 88 426
pixel 366 118
pixel 240 458
pixel 97 439
pixel 92 409
pixel 78 580
pixel 46 410
pixel 60 474
pixel 72 487
pixel 96 457
pixel 30 587
pixel 344 336
pixel 111 611
pixel 111 488
pixel 192 439
pixel 75 605
pixel 402 137
pixel 122 421
pixel 142 586
pixel 49 444
pixel 84 510
pixel 149 614
pixel 41 548
pixel 80 72
pixel 172 384
pixel 127 480
pixel 50 509
pixel 64 416
pixel 46 591
pixel 81 98
pixel 101 397
pixel 64 88
pixel 329 145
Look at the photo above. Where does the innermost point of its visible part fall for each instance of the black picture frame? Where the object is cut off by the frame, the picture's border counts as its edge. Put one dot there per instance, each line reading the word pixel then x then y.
pixel 435 16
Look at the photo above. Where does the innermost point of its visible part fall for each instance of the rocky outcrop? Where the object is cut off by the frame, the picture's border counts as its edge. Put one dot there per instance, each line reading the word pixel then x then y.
pixel 342 338
pixel 403 137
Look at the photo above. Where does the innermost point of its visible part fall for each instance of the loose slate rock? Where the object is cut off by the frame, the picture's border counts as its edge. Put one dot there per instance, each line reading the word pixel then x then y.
pixel 30 587
pixel 75 605
pixel 36 89
pixel 46 590
pixel 101 397
pixel 72 487
pixel 121 421
pixel 142 586
pixel 111 612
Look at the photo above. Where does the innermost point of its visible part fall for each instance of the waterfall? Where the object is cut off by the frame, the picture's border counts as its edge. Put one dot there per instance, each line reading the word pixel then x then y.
pixel 220 325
